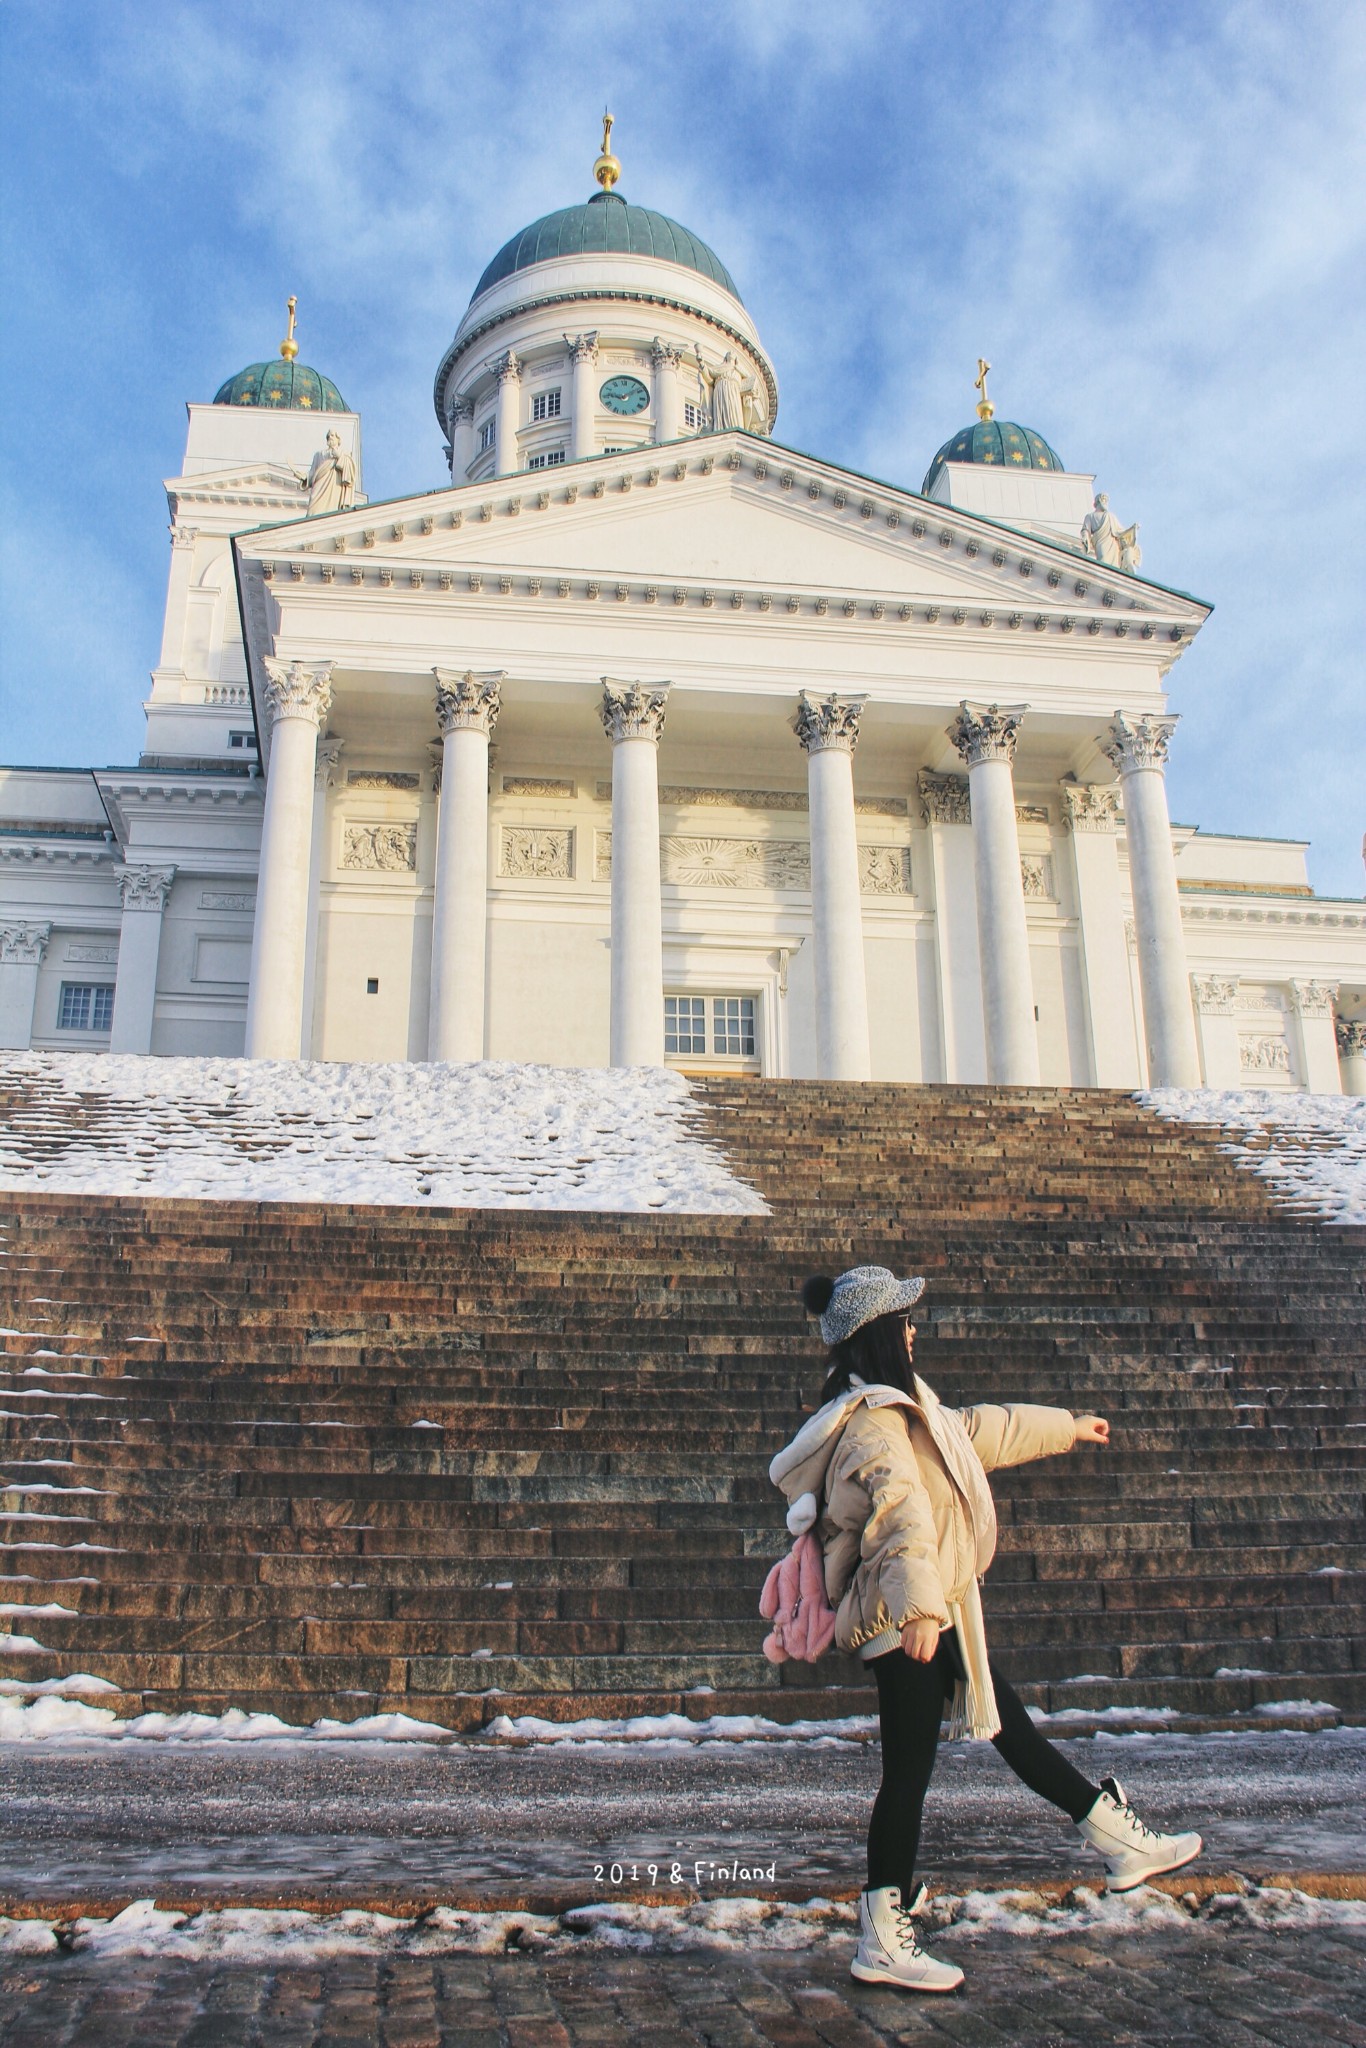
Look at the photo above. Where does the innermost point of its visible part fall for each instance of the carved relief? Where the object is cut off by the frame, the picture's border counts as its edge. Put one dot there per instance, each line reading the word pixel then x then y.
pixel 944 799
pixel 221 899
pixel 531 853
pixel 94 956
pixel 778 864
pixel 327 760
pixel 1264 1055
pixel 382 778
pixel 536 785
pixel 1031 814
pixel 987 735
pixel 884 870
pixel 380 849
pixel 1036 873
pixel 1351 1037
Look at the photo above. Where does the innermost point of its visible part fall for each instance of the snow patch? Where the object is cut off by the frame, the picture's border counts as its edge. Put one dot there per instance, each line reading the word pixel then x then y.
pixel 484 1134
pixel 1310 1149
pixel 677 1728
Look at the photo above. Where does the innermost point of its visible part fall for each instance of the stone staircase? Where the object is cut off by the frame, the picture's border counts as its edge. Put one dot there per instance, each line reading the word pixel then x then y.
pixel 463 1463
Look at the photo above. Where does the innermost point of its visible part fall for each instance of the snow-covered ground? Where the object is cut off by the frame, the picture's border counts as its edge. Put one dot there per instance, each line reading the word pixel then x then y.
pixel 483 1135
pixel 1310 1149
pixel 254 1935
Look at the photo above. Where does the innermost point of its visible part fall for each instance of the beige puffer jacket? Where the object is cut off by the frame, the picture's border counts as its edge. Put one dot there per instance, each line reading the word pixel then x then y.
pixel 906 1519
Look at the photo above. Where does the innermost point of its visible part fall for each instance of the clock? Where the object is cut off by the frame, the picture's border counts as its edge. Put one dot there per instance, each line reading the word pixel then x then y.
pixel 624 394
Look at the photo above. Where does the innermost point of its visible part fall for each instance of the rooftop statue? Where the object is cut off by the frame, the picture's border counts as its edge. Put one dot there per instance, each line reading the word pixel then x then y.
pixel 1113 545
pixel 331 478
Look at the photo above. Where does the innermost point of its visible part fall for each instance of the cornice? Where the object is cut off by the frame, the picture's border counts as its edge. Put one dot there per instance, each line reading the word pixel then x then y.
pixel 16 853
pixel 1296 917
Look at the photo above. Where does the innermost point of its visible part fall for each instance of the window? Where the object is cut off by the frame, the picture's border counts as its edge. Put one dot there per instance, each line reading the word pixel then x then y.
pixel 548 460
pixel 694 416
pixel 546 405
pixel 372 985
pixel 86 1006
pixel 486 435
pixel 685 1024
pixel 243 739
pixel 710 1027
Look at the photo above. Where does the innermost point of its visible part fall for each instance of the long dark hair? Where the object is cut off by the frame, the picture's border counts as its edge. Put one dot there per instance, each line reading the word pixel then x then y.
pixel 876 1351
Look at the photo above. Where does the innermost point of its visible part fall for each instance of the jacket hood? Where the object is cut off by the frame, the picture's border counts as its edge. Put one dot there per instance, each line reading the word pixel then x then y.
pixel 799 1469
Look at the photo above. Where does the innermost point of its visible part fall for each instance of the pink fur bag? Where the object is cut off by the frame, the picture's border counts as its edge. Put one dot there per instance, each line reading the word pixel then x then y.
pixel 793 1599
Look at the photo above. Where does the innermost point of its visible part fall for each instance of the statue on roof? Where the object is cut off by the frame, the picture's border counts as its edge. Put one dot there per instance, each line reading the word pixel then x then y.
pixel 1112 545
pixel 331 478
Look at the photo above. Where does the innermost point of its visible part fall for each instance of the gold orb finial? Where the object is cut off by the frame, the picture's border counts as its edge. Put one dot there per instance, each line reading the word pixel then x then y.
pixel 607 169
pixel 289 347
pixel 985 410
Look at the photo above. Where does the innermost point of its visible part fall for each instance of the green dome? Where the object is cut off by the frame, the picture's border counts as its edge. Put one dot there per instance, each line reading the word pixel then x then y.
pixel 606 224
pixel 999 442
pixel 283 387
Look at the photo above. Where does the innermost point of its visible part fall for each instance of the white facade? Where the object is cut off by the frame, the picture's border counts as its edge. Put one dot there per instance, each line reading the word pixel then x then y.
pixel 680 745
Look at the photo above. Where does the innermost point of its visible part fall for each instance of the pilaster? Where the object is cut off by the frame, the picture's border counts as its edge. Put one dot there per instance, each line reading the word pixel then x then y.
pixel 145 892
pixel 22 946
pixel 1312 1003
pixel 1091 815
pixel 1215 998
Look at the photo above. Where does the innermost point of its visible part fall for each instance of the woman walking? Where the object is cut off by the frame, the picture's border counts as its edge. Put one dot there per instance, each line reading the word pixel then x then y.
pixel 895 1486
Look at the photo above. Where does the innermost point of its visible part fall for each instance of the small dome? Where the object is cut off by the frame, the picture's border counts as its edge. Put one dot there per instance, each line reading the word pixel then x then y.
pixel 606 224
pixel 999 442
pixel 282 386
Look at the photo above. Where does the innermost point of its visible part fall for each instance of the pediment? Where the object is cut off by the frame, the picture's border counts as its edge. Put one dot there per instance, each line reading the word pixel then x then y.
pixel 728 513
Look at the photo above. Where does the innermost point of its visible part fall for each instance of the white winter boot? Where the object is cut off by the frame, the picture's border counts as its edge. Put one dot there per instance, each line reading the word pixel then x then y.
pixel 888 1951
pixel 1133 1853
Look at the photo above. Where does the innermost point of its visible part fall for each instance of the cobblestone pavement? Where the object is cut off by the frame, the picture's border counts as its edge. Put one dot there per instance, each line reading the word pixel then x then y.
pixel 1219 1988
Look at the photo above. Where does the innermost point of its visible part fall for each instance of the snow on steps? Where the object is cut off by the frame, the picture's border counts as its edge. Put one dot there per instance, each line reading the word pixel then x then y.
pixel 484 1135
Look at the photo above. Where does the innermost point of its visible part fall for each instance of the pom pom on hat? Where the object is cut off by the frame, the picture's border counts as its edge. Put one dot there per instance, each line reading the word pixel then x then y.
pixel 817 1294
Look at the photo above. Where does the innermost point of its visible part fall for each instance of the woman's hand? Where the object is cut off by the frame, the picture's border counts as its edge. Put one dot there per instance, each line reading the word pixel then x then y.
pixel 1092 1429
pixel 920 1639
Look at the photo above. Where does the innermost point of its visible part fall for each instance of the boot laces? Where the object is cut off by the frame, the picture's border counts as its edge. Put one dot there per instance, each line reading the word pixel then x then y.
pixel 1128 1815
pixel 905 1929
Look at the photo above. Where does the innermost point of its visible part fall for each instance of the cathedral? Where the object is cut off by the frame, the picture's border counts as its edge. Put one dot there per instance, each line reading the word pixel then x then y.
pixel 648 739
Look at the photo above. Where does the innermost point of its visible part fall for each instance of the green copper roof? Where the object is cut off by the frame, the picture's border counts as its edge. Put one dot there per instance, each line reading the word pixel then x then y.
pixel 606 224
pixel 283 386
pixel 995 441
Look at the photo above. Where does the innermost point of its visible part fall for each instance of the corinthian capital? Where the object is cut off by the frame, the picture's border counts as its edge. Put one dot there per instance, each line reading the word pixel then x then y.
pixel 1351 1036
pixel 1216 995
pixel 23 945
pixel 298 689
pixel 1137 743
pixel 144 888
pixel 507 366
pixel 1090 806
pixel 462 409
pixel 665 352
pixel 987 735
pixel 326 760
pixel 1313 998
pixel 583 347
pixel 466 702
pixel 629 711
pixel 828 722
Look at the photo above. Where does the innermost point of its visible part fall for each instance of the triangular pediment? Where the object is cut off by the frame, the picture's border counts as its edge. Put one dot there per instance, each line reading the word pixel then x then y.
pixel 730 513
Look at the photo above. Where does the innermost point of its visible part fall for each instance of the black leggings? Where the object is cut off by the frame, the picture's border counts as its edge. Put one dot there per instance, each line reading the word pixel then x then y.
pixel 910 1699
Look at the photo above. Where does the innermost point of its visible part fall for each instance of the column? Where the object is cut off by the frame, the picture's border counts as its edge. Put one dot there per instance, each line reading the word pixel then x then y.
pixel 583 438
pixel 508 370
pixel 145 891
pixel 667 397
pixel 467 707
pixel 945 811
pixel 633 719
pixel 462 438
pixel 324 776
pixel 1351 1037
pixel 173 631
pixel 828 731
pixel 1215 997
pixel 986 740
pixel 297 698
pixel 1312 1002
pixel 1092 815
pixel 22 947
pixel 1138 748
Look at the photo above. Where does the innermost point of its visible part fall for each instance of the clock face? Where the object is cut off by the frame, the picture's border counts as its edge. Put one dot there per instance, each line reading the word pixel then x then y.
pixel 624 394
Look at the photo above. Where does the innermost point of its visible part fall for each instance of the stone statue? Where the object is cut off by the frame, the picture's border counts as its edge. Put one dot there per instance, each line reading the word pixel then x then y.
pixel 331 478
pixel 754 402
pixel 1111 544
pixel 727 394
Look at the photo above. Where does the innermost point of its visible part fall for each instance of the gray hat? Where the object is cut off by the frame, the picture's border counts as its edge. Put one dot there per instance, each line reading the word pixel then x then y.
pixel 863 1293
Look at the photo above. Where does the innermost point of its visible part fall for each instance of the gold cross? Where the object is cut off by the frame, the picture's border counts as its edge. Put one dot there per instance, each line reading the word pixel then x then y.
pixel 985 409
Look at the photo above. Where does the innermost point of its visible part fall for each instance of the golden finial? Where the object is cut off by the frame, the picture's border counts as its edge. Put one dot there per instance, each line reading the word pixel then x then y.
pixel 289 347
pixel 607 169
pixel 985 410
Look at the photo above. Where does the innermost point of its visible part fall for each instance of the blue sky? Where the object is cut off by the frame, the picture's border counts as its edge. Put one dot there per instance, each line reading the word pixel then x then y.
pixel 1152 220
